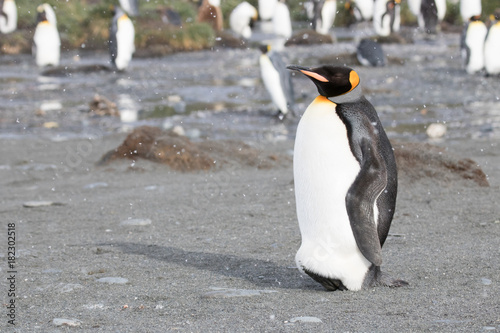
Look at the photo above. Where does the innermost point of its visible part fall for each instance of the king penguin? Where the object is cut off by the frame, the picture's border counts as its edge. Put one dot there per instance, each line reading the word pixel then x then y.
pixel 470 8
pixel 121 39
pixel 277 80
pixel 324 12
pixel 431 13
pixel 361 9
pixel 209 11
pixel 46 41
pixel 472 45
pixel 386 16
pixel 492 46
pixel 370 53
pixel 282 24
pixel 266 9
pixel 8 16
pixel 241 19
pixel 345 184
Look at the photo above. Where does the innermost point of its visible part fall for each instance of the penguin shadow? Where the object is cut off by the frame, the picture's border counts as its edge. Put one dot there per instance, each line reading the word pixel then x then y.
pixel 261 273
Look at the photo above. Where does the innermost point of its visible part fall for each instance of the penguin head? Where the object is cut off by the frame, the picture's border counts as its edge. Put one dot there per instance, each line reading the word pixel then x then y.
pixel 331 81
pixel 41 15
pixel 265 48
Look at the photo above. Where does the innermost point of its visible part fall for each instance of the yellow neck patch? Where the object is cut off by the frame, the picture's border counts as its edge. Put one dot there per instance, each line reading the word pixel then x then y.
pixel 322 99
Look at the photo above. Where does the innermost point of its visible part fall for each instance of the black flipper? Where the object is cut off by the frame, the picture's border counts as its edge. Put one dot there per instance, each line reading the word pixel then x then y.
pixel 360 199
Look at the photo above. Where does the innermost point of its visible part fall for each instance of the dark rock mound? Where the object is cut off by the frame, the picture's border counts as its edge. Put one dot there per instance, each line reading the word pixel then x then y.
pixel 417 161
pixel 308 37
pixel 181 154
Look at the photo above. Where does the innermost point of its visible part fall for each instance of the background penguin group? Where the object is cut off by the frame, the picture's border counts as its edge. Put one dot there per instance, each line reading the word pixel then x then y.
pixel 46 40
pixel 480 45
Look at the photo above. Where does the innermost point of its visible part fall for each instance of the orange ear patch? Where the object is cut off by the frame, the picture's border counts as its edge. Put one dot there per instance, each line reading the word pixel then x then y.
pixel 353 79
pixel 314 76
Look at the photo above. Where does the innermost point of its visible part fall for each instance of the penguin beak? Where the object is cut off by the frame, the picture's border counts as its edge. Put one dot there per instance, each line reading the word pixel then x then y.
pixel 307 71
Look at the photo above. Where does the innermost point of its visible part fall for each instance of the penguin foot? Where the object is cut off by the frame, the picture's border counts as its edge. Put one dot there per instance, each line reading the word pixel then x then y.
pixel 329 284
pixel 375 277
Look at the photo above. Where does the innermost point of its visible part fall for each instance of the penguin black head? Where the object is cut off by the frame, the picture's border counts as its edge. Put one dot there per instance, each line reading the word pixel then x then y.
pixel 265 48
pixel 41 15
pixel 331 81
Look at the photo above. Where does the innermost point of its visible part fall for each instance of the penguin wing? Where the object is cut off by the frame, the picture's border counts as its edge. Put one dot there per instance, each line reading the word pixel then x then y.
pixel 285 78
pixel 112 42
pixel 361 200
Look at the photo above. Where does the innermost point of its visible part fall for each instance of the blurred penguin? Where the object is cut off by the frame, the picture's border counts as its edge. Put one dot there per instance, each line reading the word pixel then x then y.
pixel 266 9
pixel 386 16
pixel 361 9
pixel 8 16
pixel 492 46
pixel 241 19
pixel 415 9
pixel 470 8
pixel 277 80
pixel 282 24
pixel 130 6
pixel 46 41
pixel 472 45
pixel 370 53
pixel 170 16
pixel 324 12
pixel 432 12
pixel 121 39
pixel 210 12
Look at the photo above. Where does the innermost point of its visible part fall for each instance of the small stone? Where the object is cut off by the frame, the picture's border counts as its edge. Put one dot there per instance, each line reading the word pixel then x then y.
pixel 179 130
pixel 136 222
pixel 436 130
pixel 95 185
pixel 33 204
pixel 67 288
pixel 66 322
pixel 306 320
pixel 485 281
pixel 113 280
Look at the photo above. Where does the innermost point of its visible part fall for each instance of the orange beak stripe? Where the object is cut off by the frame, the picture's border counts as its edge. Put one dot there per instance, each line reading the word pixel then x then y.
pixel 315 76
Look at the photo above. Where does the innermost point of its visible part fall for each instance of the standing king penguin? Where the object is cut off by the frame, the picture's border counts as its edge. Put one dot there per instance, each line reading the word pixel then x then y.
pixel 472 45
pixel 277 80
pixel 266 9
pixel 345 184
pixel 324 12
pixel 121 39
pixel 241 19
pixel 282 24
pixel 361 9
pixel 492 46
pixel 8 16
pixel 210 12
pixel 46 41
pixel 386 16
pixel 431 13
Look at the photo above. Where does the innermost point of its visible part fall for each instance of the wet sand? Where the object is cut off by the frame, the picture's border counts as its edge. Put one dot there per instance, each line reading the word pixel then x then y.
pixel 214 250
